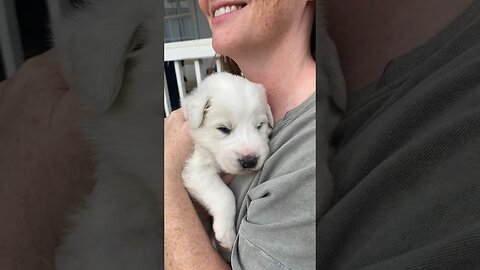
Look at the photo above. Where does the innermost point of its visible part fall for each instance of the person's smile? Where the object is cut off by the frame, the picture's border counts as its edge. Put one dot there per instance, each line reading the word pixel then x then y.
pixel 221 11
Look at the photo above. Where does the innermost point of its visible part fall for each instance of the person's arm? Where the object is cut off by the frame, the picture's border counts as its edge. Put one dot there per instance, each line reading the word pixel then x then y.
pixel 187 245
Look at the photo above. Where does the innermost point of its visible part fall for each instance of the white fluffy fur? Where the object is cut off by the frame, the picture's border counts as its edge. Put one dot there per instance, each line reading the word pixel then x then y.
pixel 118 82
pixel 226 101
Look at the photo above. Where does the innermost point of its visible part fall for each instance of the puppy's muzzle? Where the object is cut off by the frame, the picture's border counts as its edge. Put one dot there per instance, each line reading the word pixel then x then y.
pixel 248 162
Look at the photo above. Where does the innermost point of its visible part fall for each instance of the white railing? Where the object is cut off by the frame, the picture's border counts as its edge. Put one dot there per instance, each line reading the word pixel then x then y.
pixel 193 50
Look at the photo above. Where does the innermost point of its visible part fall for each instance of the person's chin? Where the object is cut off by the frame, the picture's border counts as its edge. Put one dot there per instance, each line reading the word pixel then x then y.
pixel 224 45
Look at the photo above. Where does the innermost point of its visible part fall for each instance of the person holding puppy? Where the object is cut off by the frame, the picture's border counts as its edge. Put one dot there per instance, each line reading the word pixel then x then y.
pixel 271 41
pixel 406 189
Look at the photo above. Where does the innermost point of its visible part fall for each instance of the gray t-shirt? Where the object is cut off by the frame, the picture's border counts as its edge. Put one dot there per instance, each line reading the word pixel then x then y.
pixel 407 167
pixel 276 207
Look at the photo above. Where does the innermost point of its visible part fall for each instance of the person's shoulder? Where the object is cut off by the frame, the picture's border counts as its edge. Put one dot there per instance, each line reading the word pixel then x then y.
pixel 301 119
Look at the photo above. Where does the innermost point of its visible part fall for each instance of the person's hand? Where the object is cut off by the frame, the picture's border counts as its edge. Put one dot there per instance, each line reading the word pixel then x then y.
pixel 44 165
pixel 178 145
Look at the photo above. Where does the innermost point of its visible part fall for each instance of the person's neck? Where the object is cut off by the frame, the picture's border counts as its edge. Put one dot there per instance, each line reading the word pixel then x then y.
pixel 287 73
pixel 378 31
pixel 285 67
pixel 289 79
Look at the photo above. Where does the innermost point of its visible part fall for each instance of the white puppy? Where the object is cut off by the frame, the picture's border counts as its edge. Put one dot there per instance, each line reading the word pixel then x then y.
pixel 111 55
pixel 230 122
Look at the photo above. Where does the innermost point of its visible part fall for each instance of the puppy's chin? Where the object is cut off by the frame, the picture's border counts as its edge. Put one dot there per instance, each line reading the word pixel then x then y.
pixel 246 171
pixel 239 171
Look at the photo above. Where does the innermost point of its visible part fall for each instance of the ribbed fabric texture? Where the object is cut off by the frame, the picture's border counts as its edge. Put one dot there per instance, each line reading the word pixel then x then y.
pixel 407 167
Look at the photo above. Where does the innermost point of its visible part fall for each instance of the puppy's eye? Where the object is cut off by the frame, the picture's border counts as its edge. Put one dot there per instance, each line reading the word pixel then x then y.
pixel 224 130
pixel 259 126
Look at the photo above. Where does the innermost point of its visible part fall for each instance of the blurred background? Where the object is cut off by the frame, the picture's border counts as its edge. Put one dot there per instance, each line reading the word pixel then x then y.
pixel 24 33
pixel 24 25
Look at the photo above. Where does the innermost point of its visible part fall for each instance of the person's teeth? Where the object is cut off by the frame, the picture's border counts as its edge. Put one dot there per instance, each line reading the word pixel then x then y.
pixel 225 10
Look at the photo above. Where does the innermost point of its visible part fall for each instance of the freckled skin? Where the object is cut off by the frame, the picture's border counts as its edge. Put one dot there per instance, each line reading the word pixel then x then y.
pixel 259 24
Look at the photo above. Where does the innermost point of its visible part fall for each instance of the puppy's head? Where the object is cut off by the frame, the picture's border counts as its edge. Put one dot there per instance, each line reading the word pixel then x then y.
pixel 230 117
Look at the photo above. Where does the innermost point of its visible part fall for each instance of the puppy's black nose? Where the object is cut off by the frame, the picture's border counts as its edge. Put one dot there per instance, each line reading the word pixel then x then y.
pixel 248 162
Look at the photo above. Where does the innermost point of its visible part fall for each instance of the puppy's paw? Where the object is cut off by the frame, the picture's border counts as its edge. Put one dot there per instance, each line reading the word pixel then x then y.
pixel 225 235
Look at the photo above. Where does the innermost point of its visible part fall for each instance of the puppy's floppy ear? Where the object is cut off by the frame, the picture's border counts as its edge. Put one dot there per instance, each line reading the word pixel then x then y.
pixel 195 106
pixel 96 54
pixel 270 116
